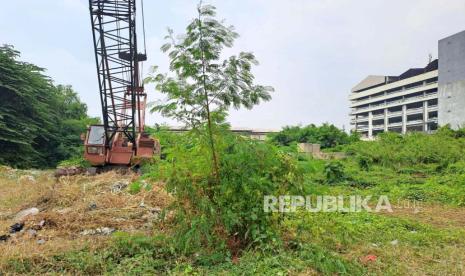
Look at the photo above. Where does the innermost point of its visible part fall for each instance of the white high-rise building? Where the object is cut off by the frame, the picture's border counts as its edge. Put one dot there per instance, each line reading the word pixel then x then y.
pixel 419 99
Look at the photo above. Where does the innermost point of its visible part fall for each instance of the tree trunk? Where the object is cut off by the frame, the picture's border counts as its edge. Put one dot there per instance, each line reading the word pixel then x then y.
pixel 216 168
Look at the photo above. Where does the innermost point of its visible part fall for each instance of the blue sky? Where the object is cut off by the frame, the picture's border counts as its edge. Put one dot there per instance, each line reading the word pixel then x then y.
pixel 311 51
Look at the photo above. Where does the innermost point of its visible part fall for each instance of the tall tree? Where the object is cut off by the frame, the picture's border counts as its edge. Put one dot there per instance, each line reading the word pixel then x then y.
pixel 204 86
pixel 39 123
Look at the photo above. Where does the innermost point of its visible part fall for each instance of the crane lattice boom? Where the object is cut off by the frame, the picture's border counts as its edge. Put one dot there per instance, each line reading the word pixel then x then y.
pixel 123 100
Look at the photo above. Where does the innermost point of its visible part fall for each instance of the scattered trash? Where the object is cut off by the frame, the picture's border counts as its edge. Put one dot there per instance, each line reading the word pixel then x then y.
pixel 64 210
pixel 4 238
pixel 92 206
pixel 155 210
pixel 40 219
pixel 413 232
pixel 394 242
pixel 152 214
pixel 41 223
pixel 88 232
pixel 91 171
pixel 105 231
pixel 25 213
pixel 119 186
pixel 150 217
pixel 145 185
pixel 27 178
pixel 16 227
pixel 374 245
pixel 38 226
pixel 32 232
pixel 368 259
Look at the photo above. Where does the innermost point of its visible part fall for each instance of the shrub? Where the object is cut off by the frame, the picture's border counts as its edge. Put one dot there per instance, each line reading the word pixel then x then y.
pixel 327 135
pixel 397 151
pixel 334 172
pixel 230 214
pixel 364 162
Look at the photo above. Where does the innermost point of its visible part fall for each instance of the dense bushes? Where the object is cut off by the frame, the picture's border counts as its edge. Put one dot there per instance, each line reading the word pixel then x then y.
pixel 395 150
pixel 40 123
pixel 229 214
pixel 326 135
pixel 249 171
pixel 334 172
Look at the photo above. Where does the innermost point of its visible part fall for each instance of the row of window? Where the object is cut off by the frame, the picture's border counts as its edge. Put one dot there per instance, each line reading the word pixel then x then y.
pixel 394 109
pixel 399 89
pixel 399 99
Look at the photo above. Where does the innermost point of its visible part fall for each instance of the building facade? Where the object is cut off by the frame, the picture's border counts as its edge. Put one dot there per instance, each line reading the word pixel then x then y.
pixel 420 99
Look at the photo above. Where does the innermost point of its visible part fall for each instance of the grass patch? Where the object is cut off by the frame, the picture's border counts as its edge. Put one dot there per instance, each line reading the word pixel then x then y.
pixel 136 255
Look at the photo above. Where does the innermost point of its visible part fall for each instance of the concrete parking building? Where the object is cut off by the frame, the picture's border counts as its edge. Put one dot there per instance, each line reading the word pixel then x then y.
pixel 420 99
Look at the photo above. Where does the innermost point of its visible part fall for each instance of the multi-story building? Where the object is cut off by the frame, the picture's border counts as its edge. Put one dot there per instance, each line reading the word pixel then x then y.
pixel 419 99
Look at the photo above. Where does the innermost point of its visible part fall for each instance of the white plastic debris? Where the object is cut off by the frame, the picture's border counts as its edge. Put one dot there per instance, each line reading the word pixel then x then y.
pixel 25 213
pixel 105 231
pixel 27 178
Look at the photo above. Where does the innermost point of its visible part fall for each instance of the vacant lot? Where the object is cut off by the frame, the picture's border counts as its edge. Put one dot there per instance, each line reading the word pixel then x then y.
pixel 427 240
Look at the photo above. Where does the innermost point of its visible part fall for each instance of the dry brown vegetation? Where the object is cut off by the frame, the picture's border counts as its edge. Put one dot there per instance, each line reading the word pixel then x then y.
pixel 70 205
pixel 434 214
